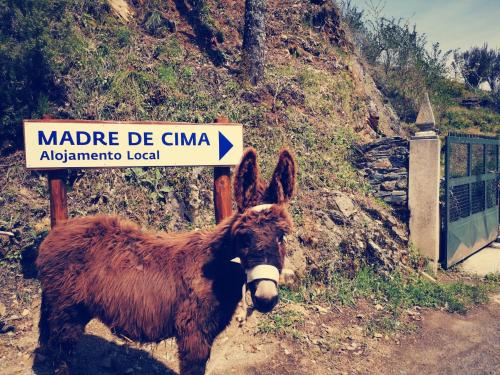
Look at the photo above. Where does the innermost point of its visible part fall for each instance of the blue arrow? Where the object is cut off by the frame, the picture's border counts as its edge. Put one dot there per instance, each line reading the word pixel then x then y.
pixel 224 145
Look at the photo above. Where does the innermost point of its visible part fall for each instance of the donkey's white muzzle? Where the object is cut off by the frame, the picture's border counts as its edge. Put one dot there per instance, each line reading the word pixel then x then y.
pixel 263 272
pixel 265 288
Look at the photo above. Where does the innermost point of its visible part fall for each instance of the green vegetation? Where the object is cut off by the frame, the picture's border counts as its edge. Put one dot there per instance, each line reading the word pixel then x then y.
pixel 402 64
pixel 397 292
pixel 85 63
pixel 404 67
pixel 282 322
pixel 477 65
pixel 392 296
pixel 28 58
pixel 145 70
pixel 462 119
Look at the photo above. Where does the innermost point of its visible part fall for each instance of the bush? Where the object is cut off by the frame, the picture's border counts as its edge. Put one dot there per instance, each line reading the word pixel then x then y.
pixel 27 85
pixel 470 120
pixel 403 66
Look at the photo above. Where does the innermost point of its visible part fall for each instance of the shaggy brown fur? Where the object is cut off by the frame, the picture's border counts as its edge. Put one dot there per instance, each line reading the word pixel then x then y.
pixel 151 286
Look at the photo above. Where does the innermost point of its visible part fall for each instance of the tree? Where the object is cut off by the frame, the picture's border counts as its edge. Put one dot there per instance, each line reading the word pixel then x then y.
pixel 477 65
pixel 494 77
pixel 435 63
pixel 254 38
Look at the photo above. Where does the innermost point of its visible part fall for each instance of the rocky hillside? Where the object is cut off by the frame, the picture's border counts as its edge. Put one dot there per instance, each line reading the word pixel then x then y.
pixel 148 60
pixel 351 296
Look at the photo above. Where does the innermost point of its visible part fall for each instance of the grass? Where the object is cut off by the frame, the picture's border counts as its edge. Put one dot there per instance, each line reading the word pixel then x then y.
pixel 399 292
pixel 282 323
pixel 493 277
pixel 476 120
pixel 390 297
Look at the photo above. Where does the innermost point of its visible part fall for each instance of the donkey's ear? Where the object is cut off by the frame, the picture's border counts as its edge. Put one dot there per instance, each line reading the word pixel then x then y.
pixel 247 182
pixel 282 184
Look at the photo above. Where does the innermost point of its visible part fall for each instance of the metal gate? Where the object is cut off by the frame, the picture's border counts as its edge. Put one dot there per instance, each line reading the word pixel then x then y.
pixel 471 196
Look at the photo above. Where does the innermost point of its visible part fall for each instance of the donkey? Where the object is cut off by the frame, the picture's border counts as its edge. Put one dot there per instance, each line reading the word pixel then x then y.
pixel 152 286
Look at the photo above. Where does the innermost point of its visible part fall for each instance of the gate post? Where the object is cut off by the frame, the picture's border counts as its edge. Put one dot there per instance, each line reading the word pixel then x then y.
pixel 423 186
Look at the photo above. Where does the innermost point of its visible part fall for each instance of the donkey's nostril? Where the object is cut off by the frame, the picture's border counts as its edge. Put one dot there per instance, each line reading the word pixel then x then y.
pixel 264 294
pixel 265 304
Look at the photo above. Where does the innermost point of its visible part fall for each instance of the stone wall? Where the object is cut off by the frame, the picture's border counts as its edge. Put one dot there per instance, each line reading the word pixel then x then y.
pixel 385 163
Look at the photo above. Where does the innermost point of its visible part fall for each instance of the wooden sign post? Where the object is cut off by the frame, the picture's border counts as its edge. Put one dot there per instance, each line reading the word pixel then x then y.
pixel 58 197
pixel 222 187
pixel 57 145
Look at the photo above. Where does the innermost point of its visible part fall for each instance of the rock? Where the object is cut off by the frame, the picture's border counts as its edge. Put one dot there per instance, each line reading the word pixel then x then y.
pixel 382 194
pixel 25 312
pixel 400 233
pixel 3 309
pixel 296 262
pixel 391 220
pixel 374 247
pixel 345 205
pixel 377 177
pixel 402 184
pixel 373 116
pixel 399 193
pixel 351 347
pixel 382 164
pixel 377 335
pixel 320 309
pixel 329 223
pixel 122 9
pixel 6 328
pixel 379 307
pixel 388 185
pixel 288 277
pixel 337 218
pixel 397 199
pixel 394 176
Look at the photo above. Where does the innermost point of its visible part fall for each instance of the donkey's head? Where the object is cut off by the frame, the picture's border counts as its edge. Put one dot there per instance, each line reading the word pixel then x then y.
pixel 262 223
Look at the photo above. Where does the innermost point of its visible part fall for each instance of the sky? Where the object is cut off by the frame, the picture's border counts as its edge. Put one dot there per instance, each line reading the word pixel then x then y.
pixel 453 23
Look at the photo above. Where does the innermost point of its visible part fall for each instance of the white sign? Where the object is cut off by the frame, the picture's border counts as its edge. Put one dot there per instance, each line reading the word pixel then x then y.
pixel 93 144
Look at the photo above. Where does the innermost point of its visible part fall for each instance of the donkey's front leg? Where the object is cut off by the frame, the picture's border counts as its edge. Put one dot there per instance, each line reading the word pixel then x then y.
pixel 194 351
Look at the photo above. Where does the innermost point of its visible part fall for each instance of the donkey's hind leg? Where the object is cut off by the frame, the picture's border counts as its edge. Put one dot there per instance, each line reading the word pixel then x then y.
pixel 64 329
pixel 43 324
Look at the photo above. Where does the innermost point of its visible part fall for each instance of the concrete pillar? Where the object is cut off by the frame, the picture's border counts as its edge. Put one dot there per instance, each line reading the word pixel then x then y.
pixel 423 187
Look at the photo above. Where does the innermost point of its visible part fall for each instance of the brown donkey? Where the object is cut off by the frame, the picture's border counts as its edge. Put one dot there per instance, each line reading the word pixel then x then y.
pixel 152 286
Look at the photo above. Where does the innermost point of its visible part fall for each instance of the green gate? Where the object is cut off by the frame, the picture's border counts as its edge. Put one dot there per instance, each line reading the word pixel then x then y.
pixel 471 196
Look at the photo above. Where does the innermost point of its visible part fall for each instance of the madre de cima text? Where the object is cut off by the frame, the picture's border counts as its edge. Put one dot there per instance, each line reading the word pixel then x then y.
pixel 111 138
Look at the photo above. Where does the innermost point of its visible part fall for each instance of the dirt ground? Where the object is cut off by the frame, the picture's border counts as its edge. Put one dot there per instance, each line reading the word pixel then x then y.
pixel 441 343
